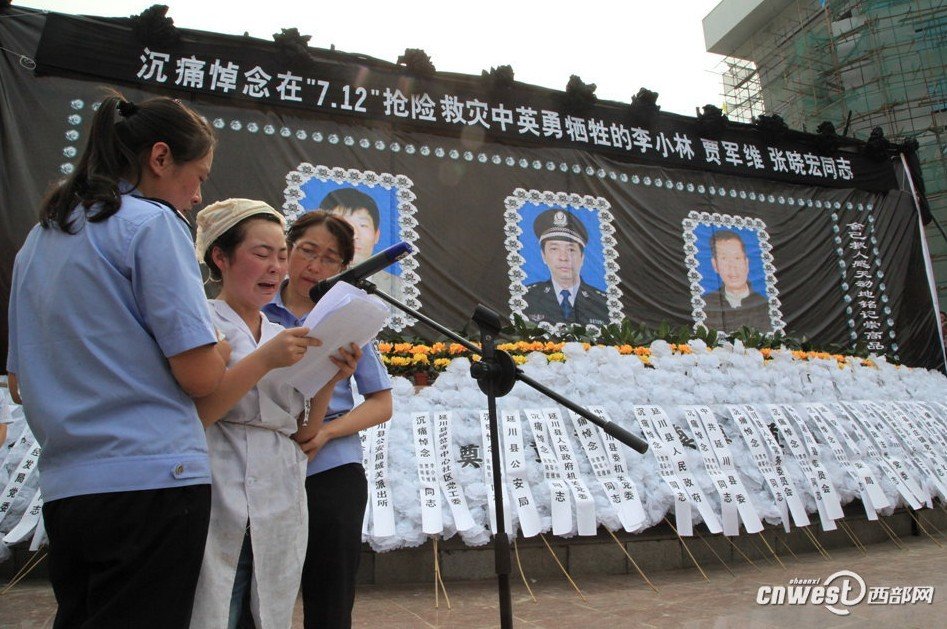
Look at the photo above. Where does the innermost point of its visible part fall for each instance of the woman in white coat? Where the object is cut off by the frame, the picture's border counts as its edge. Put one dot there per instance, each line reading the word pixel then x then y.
pixel 258 526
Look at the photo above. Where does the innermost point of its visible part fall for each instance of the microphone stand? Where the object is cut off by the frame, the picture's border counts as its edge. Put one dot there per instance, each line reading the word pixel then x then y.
pixel 496 374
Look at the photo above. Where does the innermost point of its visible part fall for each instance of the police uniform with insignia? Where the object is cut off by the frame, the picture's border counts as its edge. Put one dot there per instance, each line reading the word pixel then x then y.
pixel 550 303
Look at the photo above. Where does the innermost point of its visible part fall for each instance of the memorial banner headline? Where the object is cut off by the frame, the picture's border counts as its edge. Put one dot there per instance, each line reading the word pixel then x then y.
pixel 351 86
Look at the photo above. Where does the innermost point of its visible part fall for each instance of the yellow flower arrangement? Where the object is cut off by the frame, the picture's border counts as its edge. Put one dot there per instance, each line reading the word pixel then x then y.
pixel 427 360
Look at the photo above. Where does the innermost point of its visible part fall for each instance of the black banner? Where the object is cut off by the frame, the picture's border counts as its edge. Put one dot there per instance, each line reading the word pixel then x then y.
pixel 509 225
pixel 363 90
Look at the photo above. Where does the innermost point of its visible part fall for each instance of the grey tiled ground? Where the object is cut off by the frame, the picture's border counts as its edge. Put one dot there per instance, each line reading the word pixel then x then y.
pixel 684 599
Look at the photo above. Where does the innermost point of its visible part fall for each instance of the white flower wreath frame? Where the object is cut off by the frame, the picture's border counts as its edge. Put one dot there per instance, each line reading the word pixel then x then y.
pixel 512 219
pixel 727 221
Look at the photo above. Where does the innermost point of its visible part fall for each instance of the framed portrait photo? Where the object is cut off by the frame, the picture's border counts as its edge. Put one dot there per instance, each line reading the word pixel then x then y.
pixel 379 207
pixel 732 276
pixel 563 262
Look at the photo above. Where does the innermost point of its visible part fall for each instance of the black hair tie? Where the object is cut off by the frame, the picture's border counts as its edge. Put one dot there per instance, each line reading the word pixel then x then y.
pixel 127 108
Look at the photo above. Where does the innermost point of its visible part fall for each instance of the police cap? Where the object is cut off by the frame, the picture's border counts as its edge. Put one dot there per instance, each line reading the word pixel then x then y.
pixel 558 224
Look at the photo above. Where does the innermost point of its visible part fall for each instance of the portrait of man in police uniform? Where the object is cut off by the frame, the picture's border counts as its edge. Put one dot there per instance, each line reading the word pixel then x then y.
pixel 565 297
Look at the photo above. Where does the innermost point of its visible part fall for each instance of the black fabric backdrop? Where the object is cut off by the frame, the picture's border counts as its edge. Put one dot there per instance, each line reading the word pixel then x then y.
pixel 840 262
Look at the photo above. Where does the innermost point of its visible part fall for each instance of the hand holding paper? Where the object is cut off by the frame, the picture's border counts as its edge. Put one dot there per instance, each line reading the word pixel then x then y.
pixel 346 360
pixel 344 315
pixel 288 347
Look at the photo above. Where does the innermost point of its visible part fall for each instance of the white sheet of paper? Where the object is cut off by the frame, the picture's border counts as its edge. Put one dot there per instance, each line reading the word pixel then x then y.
pixel 344 315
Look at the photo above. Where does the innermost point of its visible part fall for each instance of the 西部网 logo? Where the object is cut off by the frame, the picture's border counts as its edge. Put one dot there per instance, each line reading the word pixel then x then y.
pixel 840 591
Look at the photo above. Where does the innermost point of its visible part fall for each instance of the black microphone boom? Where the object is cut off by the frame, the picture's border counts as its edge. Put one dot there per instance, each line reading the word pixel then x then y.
pixel 360 271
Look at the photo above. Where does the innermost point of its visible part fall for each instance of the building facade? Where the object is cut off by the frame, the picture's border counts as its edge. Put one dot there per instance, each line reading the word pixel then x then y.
pixel 859 64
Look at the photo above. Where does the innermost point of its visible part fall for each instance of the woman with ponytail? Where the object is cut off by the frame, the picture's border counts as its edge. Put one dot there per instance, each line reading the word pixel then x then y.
pixel 110 339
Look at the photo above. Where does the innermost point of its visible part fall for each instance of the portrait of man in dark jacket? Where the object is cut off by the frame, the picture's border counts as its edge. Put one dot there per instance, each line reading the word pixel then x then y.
pixel 735 303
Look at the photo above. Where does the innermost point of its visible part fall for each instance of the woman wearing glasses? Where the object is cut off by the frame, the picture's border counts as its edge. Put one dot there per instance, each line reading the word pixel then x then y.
pixel 321 245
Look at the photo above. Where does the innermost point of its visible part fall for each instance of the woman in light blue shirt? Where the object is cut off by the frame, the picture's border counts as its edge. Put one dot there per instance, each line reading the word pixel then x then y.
pixel 110 337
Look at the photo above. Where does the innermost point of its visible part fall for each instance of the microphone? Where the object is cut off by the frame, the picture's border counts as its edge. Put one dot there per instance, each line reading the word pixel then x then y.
pixel 360 271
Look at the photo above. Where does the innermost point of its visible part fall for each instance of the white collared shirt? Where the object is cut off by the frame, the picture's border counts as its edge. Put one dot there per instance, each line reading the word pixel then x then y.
pixel 573 291
pixel 735 299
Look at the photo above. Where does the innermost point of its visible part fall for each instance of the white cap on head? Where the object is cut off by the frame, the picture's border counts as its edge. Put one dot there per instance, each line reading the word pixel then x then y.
pixel 215 219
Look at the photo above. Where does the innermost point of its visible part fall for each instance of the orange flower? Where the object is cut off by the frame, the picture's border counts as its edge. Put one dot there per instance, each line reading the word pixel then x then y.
pixel 626 349
pixel 457 348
